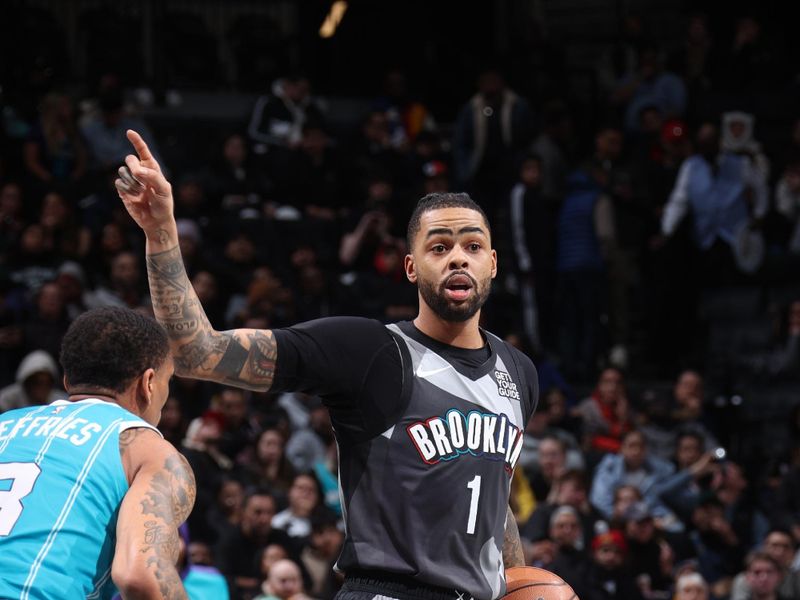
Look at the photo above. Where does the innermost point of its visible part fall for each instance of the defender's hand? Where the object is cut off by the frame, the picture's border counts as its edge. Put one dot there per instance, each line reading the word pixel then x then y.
pixel 144 190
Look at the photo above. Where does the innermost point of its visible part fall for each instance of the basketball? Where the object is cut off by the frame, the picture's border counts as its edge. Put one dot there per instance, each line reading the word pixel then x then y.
pixel 533 583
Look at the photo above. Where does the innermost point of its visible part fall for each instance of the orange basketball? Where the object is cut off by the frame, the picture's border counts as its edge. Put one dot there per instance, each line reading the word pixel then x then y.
pixel 533 583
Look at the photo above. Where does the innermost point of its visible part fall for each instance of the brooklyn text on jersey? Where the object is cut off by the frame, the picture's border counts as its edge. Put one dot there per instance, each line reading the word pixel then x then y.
pixel 485 435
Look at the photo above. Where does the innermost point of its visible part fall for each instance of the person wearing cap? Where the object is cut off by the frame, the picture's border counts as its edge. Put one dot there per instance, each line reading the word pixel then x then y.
pixel 435 177
pixel 608 578
pixel 35 383
pixel 651 556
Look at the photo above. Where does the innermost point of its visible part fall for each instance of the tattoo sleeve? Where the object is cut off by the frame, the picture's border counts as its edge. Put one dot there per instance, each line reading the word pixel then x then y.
pixel 513 556
pixel 167 503
pixel 241 357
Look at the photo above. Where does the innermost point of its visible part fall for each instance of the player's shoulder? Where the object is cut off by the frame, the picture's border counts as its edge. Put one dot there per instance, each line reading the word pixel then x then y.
pixel 342 329
pixel 143 448
pixel 520 358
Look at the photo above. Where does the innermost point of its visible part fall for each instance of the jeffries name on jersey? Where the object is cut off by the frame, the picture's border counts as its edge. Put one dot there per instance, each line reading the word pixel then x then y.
pixel 479 434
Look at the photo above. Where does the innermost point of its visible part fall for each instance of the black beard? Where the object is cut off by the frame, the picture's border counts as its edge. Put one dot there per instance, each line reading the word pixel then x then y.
pixel 436 299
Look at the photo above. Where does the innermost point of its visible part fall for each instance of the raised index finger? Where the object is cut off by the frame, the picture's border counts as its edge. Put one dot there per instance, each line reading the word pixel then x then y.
pixel 139 145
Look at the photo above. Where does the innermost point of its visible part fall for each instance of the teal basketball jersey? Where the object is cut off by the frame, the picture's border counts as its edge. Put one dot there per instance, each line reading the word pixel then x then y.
pixel 61 485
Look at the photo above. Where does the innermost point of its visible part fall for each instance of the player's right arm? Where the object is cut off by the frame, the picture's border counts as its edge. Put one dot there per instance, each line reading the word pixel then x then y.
pixel 159 499
pixel 240 357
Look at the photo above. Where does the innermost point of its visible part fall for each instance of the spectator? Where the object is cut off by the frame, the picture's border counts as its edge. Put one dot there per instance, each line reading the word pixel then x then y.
pixel 239 430
pixel 696 58
pixel 124 287
pixel 605 415
pixel 787 206
pixel 532 221
pixel 763 576
pixel 553 147
pixel 35 383
pixel 650 86
pixel 570 490
pixel 691 586
pixel 683 490
pixel 780 546
pixel 663 421
pixel 226 513
pixel 552 455
pixel 237 181
pixel 201 449
pixel 277 120
pixel 104 131
pixel 584 231
pixel 625 496
pixel 723 192
pixel 65 236
pixel 608 577
pixel 490 131
pixel 737 138
pixel 319 556
pixel 45 327
pixel 304 497
pixel 571 560
pixel 71 281
pixel 651 556
pixel 172 424
pixel 237 551
pixel 632 466
pixel 271 467
pixel 32 262
pixel 716 545
pixel 749 63
pixel 55 154
pixel 284 582
pixel 406 116
pixel 11 216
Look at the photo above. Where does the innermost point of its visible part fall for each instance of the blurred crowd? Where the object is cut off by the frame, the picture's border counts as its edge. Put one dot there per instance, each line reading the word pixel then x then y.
pixel 617 239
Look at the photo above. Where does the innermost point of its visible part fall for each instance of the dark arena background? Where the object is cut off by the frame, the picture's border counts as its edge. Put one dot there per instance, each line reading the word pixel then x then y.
pixel 640 166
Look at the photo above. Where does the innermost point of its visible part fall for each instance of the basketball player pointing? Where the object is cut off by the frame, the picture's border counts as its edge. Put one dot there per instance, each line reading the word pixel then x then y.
pixel 428 414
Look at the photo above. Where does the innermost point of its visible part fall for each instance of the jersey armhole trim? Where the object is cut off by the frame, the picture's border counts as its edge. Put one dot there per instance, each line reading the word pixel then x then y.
pixel 126 425
pixel 532 402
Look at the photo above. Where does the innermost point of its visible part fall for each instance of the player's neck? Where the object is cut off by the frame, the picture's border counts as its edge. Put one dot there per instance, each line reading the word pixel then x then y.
pixel 120 399
pixel 464 334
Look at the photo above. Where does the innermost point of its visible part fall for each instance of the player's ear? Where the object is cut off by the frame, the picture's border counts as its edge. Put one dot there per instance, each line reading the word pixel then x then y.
pixel 494 263
pixel 147 382
pixel 411 268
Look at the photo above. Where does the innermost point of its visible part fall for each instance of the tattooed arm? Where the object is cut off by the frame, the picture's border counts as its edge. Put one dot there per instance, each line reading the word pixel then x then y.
pixel 513 556
pixel 160 497
pixel 241 357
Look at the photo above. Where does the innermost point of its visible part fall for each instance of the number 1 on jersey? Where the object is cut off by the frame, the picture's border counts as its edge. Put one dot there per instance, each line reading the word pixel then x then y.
pixel 475 486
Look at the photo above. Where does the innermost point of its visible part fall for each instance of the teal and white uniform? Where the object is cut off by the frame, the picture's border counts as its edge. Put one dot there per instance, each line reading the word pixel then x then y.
pixel 61 486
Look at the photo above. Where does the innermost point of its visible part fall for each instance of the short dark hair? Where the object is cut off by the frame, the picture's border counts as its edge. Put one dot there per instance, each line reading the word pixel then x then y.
pixel 690 432
pixel 760 556
pixel 436 201
pixel 109 347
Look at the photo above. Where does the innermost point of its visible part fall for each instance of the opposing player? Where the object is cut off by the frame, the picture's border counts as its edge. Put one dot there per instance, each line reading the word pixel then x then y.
pixel 428 414
pixel 93 493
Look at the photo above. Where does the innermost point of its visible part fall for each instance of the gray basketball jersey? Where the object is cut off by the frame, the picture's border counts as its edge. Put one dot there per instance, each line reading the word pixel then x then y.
pixel 427 497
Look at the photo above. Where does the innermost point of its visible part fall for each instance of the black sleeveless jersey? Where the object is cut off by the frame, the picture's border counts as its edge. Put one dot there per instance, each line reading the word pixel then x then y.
pixel 428 437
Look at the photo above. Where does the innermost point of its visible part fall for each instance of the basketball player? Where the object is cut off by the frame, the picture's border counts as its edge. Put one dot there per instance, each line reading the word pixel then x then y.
pixel 92 493
pixel 428 414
